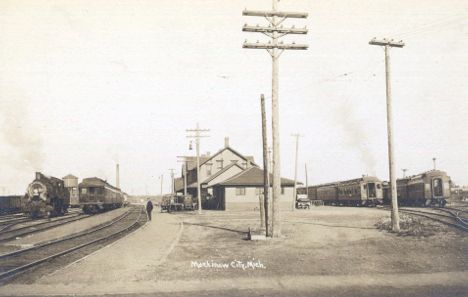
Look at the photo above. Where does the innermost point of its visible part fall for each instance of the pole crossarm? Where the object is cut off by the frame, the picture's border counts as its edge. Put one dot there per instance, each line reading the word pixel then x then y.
pixel 275 48
pixel 291 46
pixel 270 29
pixel 271 13
pixel 386 42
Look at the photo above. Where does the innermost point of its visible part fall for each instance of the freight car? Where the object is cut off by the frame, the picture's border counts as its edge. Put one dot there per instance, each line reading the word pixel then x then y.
pixel 10 204
pixel 96 195
pixel 425 189
pixel 46 196
pixel 364 191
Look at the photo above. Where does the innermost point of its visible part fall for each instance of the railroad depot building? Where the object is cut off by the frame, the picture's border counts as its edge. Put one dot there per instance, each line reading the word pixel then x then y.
pixel 228 181
pixel 242 191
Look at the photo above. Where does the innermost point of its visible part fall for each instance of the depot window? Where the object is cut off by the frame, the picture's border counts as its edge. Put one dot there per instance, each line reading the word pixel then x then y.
pixel 240 191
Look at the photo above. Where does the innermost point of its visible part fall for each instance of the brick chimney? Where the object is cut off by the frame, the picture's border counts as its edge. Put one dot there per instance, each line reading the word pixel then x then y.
pixel 226 142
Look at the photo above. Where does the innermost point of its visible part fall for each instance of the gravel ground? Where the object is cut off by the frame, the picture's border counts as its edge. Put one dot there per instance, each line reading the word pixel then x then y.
pixel 325 251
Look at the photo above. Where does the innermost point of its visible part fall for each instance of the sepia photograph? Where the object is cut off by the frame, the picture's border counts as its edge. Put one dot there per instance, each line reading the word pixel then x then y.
pixel 234 148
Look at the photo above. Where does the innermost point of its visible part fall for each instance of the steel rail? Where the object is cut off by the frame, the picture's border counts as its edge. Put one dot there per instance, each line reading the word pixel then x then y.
pixel 15 220
pixel 55 223
pixel 21 269
pixel 429 215
pixel 72 236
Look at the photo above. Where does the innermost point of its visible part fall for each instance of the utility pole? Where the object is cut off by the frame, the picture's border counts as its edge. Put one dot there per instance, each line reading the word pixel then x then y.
pixel 161 177
pixel 434 161
pixel 275 48
pixel 307 181
pixel 117 176
pixel 197 137
pixel 387 44
pixel 404 172
pixel 266 173
pixel 184 171
pixel 172 171
pixel 295 170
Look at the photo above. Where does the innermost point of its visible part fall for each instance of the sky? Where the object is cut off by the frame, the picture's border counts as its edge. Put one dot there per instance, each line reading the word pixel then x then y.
pixel 87 84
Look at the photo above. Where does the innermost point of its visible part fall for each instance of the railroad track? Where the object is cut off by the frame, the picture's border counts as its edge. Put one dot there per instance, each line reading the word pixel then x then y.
pixel 10 216
pixel 15 263
pixel 6 234
pixel 7 224
pixel 449 217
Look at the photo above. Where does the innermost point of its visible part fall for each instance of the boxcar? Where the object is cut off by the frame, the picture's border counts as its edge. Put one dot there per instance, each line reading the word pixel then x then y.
pixel 10 204
pixel 96 195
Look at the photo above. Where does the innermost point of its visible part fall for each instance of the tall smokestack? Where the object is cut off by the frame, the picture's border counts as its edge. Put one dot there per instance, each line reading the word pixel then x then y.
pixel 226 142
pixel 117 176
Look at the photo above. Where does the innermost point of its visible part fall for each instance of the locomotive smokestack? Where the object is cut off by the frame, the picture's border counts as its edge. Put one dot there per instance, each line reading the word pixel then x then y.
pixel 117 176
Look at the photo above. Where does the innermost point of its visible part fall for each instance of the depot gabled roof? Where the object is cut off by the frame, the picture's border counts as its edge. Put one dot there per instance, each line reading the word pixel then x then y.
pixel 207 181
pixel 192 160
pixel 251 177
pixel 246 158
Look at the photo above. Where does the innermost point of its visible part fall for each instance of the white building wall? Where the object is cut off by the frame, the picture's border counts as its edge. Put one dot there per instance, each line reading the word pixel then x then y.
pixel 250 200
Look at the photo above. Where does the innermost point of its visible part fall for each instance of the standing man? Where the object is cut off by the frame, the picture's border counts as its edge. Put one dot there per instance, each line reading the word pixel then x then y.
pixel 149 209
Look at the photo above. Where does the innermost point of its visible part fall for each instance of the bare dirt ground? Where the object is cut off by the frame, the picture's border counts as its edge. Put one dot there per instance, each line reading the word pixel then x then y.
pixel 325 251
pixel 325 241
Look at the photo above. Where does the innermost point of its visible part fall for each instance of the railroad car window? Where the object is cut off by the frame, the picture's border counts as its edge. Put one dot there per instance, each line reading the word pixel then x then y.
pixel 84 190
pixel 240 191
pixel 371 191
pixel 91 190
pixel 437 187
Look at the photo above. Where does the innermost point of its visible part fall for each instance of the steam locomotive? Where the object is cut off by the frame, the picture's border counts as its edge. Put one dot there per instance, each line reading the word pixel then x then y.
pixel 425 189
pixel 45 196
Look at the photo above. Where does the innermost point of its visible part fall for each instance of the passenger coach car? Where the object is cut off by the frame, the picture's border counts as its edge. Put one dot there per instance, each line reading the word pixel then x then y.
pixel 364 191
pixel 425 189
pixel 96 195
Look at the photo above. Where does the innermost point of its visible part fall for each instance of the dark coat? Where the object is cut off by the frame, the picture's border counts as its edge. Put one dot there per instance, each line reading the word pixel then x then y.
pixel 149 206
